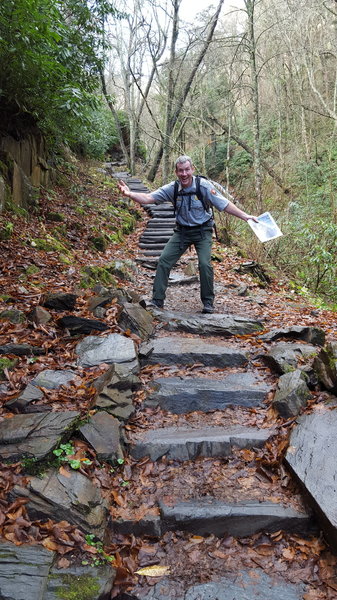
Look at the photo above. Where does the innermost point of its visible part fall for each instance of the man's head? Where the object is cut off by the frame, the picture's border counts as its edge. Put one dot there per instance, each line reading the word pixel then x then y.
pixel 184 170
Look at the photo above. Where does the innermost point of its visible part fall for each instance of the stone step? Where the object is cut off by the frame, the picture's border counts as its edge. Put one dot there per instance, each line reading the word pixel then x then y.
pixel 185 443
pixel 162 214
pixel 181 396
pixel 159 220
pixel 207 516
pixel 154 233
pixel 154 240
pixel 164 206
pixel 185 351
pixel 151 253
pixel 151 246
pixel 225 325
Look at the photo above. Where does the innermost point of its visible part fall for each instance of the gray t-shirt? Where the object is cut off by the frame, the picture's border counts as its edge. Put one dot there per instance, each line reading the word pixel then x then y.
pixel 190 210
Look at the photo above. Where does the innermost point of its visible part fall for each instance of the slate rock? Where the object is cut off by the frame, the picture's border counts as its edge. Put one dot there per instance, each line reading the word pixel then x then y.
pixel 85 583
pixel 123 269
pixel 99 301
pixel 311 335
pixel 180 350
pixel 182 443
pixel 52 380
pixel 39 316
pixel 102 432
pixel 254 584
pixel 149 525
pixel 186 395
pixel 206 516
pixel 216 324
pixel 311 456
pixel 21 350
pixel 138 320
pixel 115 389
pixel 60 301
pixel 30 394
pixel 34 436
pixel 80 325
pixel 73 498
pixel 24 571
pixel 291 395
pixel 13 315
pixel 325 365
pixel 247 586
pixel 284 356
pixel 113 348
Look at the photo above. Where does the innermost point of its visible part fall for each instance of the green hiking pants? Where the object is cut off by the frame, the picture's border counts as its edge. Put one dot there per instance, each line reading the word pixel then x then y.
pixel 181 240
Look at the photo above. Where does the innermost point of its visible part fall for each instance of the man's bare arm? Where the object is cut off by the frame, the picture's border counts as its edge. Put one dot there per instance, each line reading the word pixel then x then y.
pixel 231 209
pixel 139 197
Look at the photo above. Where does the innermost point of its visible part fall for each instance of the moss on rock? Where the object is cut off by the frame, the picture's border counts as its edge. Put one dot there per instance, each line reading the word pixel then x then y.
pixel 82 587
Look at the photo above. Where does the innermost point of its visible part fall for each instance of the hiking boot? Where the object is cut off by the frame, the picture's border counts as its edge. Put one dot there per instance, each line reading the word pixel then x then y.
pixel 156 303
pixel 208 308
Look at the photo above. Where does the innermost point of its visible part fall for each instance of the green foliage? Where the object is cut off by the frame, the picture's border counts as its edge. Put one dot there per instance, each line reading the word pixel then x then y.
pixel 6 230
pixel 65 453
pixel 6 364
pixel 97 134
pixel 50 54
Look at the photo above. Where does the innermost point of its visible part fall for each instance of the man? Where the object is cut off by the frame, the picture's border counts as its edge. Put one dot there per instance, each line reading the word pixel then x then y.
pixel 194 225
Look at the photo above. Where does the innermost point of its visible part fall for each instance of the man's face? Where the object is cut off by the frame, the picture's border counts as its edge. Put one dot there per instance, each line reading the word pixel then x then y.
pixel 184 172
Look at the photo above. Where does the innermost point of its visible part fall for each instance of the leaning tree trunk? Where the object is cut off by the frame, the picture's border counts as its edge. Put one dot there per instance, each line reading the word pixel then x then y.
pixel 117 123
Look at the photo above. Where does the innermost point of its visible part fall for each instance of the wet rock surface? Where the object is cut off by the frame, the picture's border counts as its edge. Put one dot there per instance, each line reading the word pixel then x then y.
pixel 312 457
pixel 68 497
pixel 175 350
pixel 114 348
pixel 183 395
pixel 34 436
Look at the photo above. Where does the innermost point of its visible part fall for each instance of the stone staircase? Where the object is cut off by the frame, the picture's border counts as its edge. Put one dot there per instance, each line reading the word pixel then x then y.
pixel 159 227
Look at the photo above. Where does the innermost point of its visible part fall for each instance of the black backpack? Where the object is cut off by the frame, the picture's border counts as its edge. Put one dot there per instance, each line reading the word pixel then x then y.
pixel 206 204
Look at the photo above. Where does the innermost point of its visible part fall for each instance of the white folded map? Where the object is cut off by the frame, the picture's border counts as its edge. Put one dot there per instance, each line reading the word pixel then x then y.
pixel 266 228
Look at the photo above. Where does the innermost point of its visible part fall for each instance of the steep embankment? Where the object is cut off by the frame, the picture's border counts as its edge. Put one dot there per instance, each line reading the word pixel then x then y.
pixel 205 490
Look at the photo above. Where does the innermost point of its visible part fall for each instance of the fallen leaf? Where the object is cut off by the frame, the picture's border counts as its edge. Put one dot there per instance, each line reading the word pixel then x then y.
pixel 154 571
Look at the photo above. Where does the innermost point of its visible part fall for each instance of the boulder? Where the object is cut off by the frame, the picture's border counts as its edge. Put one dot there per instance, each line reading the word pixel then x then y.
pixel 115 389
pixel 52 380
pixel 34 436
pixel 311 456
pixel 72 497
pixel 325 365
pixel 13 315
pixel 136 319
pixel 102 432
pixel 113 348
pixel 291 395
pixel 60 301
pixel 80 325
pixel 284 356
pixel 21 402
pixel 311 335
pixel 39 315
pixel 21 350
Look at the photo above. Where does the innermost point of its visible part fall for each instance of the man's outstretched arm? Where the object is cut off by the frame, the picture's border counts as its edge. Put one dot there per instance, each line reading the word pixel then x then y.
pixel 139 197
pixel 231 209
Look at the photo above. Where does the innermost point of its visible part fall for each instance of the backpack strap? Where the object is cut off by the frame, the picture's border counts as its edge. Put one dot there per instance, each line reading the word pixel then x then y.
pixel 197 192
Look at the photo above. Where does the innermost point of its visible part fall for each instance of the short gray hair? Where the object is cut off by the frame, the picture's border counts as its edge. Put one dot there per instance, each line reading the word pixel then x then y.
pixel 182 159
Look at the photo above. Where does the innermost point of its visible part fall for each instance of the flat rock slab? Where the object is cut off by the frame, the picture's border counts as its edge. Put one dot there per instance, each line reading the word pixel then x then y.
pixel 312 457
pixel 73 498
pixel 138 320
pixel 216 324
pixel 180 396
pixel 34 435
pixel 243 585
pixel 21 403
pixel 114 348
pixel 27 573
pixel 206 516
pixel 102 431
pixel 186 351
pixel 51 380
pixel 186 444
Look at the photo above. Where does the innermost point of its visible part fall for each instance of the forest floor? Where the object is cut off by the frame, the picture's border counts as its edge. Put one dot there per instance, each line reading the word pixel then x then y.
pixel 84 204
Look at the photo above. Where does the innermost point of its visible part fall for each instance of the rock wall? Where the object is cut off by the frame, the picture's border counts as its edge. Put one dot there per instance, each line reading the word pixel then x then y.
pixel 23 169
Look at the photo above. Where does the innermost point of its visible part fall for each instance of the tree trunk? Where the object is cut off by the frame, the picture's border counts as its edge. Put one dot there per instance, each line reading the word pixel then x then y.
pixel 115 116
pixel 186 88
